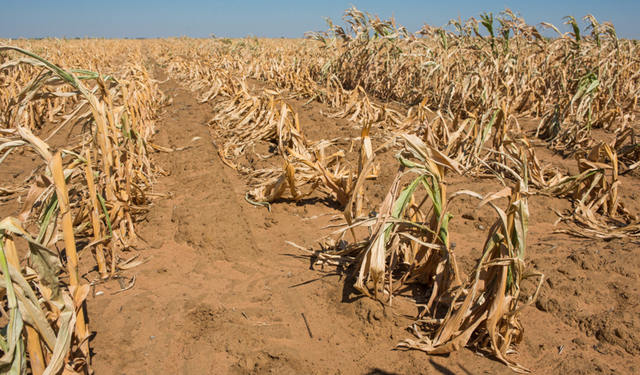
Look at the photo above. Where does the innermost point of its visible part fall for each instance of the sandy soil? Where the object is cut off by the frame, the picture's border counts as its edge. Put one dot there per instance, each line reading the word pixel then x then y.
pixel 223 294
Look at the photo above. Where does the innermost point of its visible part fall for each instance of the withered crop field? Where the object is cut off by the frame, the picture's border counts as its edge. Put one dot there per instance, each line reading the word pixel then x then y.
pixel 364 200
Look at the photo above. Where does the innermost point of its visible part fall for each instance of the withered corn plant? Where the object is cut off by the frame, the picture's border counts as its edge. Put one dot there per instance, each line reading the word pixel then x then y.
pixel 483 311
pixel 405 245
pixel 401 234
pixel 110 168
pixel 47 329
pixel 94 188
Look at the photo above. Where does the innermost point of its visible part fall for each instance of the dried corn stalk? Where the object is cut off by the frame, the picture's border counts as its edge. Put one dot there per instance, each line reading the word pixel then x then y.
pixel 484 310
pixel 405 243
pixel 94 189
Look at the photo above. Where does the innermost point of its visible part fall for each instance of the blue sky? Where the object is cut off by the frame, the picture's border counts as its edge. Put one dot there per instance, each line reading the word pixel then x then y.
pixel 286 18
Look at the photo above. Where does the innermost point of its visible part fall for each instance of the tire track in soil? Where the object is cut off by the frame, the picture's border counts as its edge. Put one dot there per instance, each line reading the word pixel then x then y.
pixel 224 295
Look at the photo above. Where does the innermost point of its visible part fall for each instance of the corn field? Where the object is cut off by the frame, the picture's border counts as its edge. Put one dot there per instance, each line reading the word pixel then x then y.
pixel 477 98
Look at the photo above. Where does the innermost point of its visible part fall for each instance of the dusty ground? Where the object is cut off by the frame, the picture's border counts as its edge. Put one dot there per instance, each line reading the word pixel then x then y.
pixel 222 292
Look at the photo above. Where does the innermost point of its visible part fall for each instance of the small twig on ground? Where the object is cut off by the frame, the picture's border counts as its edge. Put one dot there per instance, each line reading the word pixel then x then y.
pixel 307 324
